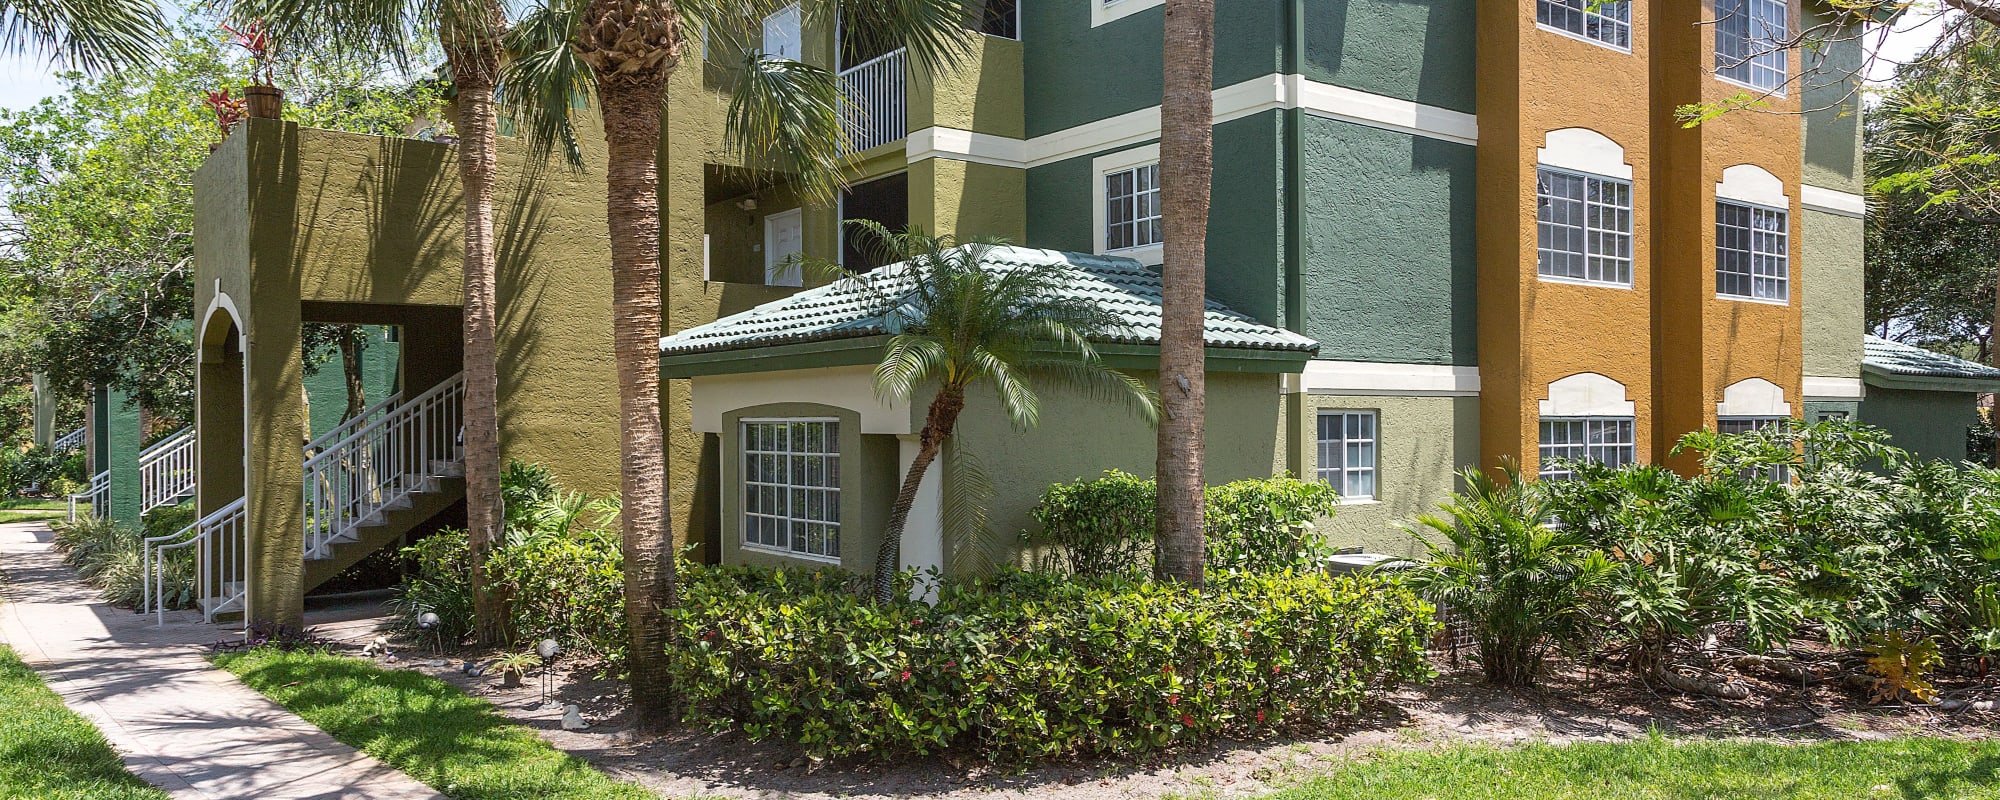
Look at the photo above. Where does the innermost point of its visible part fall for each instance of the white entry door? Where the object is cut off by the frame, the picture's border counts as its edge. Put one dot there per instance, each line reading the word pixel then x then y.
pixel 784 237
pixel 783 34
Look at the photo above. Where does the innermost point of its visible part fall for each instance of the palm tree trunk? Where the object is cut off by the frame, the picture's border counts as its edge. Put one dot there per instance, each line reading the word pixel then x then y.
pixel 632 46
pixel 474 59
pixel 1187 151
pixel 938 424
pixel 350 367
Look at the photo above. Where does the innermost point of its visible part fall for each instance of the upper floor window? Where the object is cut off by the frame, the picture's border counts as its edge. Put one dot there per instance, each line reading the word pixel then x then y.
pixel 1347 452
pixel 1606 21
pixel 784 35
pixel 1132 207
pixel 791 486
pixel 1583 227
pixel 1605 440
pixel 1752 252
pixel 1750 42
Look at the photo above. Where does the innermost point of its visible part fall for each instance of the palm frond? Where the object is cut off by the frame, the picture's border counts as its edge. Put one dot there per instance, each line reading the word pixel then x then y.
pixel 787 113
pixel 1017 399
pixel 543 77
pixel 968 494
pixel 911 359
pixel 90 36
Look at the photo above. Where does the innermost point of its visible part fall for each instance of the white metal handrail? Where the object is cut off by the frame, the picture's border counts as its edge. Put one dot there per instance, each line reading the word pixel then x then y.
pixel 98 496
pixel 347 426
pixel 167 470
pixel 221 552
pixel 875 101
pixel 69 441
pixel 351 481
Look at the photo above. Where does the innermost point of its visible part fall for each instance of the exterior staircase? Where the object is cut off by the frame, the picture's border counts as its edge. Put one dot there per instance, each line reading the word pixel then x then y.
pixel 167 471
pixel 367 482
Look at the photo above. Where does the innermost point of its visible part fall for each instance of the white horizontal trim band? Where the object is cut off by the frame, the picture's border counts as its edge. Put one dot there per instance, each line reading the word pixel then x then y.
pixel 1251 97
pixel 1832 201
pixel 1378 378
pixel 1836 389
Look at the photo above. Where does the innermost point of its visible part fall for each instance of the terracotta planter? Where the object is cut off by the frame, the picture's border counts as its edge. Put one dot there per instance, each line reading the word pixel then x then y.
pixel 510 679
pixel 263 102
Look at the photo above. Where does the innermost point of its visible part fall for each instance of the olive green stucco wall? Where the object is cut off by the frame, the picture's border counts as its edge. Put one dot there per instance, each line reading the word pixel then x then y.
pixel 1833 290
pixel 1076 73
pixel 1421 442
pixel 1246 229
pixel 1928 424
pixel 1420 51
pixel 1389 272
pixel 296 225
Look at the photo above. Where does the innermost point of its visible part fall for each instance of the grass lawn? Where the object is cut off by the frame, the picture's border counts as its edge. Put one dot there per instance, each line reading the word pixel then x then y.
pixel 38 510
pixel 47 752
pixel 458 744
pixel 1663 769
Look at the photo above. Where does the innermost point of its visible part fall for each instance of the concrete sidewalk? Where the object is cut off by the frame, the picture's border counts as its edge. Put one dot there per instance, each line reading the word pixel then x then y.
pixel 181 724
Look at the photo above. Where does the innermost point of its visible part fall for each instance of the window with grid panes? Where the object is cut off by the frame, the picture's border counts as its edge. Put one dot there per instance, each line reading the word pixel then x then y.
pixel 1347 452
pixel 1132 207
pixel 1583 227
pixel 1750 37
pixel 1737 425
pixel 1607 21
pixel 1606 440
pixel 791 486
pixel 1752 252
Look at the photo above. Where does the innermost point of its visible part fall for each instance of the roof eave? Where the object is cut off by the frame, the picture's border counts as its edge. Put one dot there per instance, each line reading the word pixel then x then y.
pixel 1876 376
pixel 867 350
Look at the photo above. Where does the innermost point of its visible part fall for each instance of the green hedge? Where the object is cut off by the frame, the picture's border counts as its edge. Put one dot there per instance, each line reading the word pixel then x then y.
pixel 1104 526
pixel 1027 666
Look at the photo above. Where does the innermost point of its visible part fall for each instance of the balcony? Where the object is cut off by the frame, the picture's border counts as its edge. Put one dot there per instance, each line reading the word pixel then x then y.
pixel 875 106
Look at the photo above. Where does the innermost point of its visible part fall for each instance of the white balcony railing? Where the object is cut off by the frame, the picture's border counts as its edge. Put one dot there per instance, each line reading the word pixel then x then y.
pixel 215 549
pixel 69 442
pixel 166 471
pixel 98 496
pixel 378 464
pixel 875 106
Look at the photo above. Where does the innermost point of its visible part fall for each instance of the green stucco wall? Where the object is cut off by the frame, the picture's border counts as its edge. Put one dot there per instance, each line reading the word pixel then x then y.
pixel 117 435
pixel 1246 229
pixel 1833 291
pixel 1390 270
pixel 1420 51
pixel 1076 73
pixel 1832 118
pixel 296 225
pixel 326 390
pixel 1819 410
pixel 1928 424
pixel 1421 442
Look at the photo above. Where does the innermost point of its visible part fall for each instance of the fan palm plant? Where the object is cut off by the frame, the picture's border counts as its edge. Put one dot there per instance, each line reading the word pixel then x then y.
pixel 1524 587
pixel 92 37
pixel 962 322
pixel 783 112
pixel 471 33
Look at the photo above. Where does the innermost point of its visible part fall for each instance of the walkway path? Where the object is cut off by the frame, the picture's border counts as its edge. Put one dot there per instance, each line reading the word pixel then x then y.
pixel 181 724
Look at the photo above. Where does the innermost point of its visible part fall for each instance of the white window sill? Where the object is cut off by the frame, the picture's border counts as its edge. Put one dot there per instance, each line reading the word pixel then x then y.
pixel 1758 300
pixel 1151 255
pixel 1777 93
pixel 1582 282
pixel 792 554
pixel 1358 501
pixel 1585 39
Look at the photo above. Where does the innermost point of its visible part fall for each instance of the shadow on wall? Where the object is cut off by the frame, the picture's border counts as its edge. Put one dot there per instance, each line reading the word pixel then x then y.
pixel 1383 32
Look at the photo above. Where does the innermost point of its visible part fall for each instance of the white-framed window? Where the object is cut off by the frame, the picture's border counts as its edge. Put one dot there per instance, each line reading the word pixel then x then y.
pixel 791 486
pixel 1347 452
pixel 1606 440
pixel 1583 227
pixel 1740 425
pixel 1750 41
pixel 1752 252
pixel 1125 204
pixel 784 33
pixel 1607 22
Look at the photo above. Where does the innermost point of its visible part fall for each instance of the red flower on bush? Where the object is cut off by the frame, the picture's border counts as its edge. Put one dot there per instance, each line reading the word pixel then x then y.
pixel 1173 699
pixel 1187 720
pixel 1260 716
pixel 905 676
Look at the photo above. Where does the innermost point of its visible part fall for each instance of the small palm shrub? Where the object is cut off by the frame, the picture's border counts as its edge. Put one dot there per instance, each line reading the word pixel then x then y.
pixel 1526 588
pixel 1023 666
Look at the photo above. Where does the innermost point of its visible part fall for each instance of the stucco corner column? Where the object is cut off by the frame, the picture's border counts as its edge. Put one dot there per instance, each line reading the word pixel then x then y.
pixel 923 536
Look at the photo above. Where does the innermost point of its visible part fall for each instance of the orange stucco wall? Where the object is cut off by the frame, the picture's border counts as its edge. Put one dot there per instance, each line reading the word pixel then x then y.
pixel 1667 338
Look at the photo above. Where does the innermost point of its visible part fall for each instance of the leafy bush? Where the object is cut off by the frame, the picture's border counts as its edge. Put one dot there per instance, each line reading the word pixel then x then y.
pixel 438 580
pixel 37 469
pixel 1525 588
pixel 1104 527
pixel 105 554
pixel 1027 666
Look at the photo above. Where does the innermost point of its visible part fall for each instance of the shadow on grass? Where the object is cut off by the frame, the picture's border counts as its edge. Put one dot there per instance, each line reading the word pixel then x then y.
pixel 48 751
pixel 459 745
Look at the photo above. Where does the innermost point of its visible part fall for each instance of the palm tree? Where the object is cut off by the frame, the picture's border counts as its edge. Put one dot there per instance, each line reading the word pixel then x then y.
pixel 783 111
pixel 1187 150
pixel 965 322
pixel 471 33
pixel 93 36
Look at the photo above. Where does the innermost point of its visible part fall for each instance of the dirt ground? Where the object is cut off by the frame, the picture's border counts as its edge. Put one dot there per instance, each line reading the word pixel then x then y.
pixel 1600 704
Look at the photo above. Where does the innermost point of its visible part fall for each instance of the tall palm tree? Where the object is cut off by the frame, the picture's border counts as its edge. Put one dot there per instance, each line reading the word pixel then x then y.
pixel 1187 161
pixel 471 33
pixel 89 36
pixel 783 111
pixel 965 322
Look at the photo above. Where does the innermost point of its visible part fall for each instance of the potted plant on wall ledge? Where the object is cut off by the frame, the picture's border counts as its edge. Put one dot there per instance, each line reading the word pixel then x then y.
pixel 261 99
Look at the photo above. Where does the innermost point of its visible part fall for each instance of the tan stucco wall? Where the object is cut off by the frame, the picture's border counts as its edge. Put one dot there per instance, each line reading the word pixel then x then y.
pixel 297 224
pixel 1421 442
pixel 1835 311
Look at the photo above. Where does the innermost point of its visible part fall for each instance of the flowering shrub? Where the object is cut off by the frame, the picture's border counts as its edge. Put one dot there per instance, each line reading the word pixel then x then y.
pixel 1028 666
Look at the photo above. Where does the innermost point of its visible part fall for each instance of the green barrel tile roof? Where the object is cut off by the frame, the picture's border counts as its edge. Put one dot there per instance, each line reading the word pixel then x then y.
pixel 1895 358
pixel 844 309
